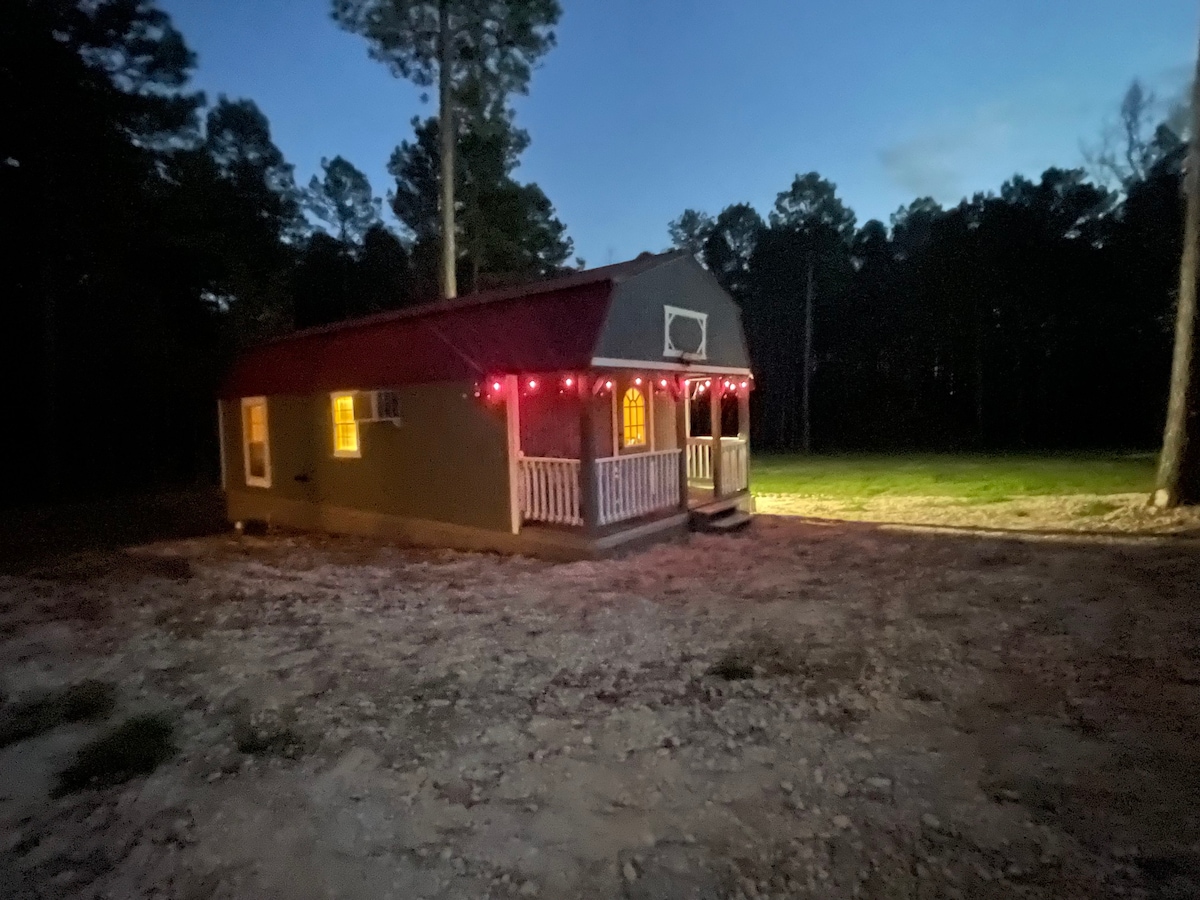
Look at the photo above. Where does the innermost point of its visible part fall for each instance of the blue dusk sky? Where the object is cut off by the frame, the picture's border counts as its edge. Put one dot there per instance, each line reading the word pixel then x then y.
pixel 647 107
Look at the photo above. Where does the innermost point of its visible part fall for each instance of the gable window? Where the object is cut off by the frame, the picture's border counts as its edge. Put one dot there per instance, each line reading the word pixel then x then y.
pixel 633 418
pixel 345 426
pixel 685 333
pixel 256 444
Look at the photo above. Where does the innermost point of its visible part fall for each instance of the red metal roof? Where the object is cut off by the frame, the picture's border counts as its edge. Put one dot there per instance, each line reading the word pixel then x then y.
pixel 540 327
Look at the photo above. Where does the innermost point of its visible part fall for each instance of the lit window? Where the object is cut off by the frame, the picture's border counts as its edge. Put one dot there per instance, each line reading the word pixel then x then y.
pixel 633 418
pixel 256 442
pixel 345 427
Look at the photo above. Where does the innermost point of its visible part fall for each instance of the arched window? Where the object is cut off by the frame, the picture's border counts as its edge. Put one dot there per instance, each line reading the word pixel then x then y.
pixel 633 419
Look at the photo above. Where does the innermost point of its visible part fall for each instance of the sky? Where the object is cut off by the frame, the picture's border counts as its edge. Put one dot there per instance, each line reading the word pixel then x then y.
pixel 648 107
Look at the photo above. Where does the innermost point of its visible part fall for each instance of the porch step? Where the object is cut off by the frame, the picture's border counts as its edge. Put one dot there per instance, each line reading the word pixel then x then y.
pixel 722 516
pixel 734 521
pixel 716 507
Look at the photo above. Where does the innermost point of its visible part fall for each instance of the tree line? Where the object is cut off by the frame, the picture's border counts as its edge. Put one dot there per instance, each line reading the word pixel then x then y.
pixel 149 232
pixel 1039 316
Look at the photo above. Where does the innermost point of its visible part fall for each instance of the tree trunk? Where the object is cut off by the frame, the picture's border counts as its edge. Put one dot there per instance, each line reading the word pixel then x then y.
pixel 1179 464
pixel 979 436
pixel 808 349
pixel 447 134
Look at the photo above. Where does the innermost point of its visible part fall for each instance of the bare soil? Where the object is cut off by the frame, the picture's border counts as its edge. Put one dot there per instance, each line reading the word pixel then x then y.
pixel 1071 513
pixel 802 710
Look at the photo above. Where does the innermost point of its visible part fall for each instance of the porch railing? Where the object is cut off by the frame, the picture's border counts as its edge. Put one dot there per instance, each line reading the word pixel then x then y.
pixel 638 484
pixel 627 487
pixel 699 453
pixel 549 490
pixel 735 462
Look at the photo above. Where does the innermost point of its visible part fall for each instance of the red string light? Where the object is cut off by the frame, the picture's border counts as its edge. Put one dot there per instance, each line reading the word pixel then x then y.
pixel 493 387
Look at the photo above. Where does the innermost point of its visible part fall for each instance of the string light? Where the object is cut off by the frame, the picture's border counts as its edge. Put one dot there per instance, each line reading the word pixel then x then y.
pixel 493 387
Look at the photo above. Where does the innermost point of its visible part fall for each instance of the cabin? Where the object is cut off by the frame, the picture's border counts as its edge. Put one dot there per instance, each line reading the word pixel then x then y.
pixel 569 418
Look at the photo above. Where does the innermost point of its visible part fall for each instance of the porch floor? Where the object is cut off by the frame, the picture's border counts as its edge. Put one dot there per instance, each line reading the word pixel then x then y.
pixel 701 494
pixel 573 542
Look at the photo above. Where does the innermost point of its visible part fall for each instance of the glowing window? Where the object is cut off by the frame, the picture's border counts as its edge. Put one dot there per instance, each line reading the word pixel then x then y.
pixel 345 426
pixel 633 418
pixel 256 442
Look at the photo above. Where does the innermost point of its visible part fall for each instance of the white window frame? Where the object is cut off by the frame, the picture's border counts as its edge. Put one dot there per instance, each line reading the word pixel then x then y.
pixel 333 399
pixel 616 414
pixel 263 481
pixel 644 443
pixel 670 313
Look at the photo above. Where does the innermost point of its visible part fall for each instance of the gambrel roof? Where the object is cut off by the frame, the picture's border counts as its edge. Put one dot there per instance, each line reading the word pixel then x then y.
pixel 610 316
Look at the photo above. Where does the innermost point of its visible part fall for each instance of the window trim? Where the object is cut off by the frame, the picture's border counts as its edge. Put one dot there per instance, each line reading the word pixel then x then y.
pixel 670 351
pixel 333 401
pixel 625 443
pixel 263 481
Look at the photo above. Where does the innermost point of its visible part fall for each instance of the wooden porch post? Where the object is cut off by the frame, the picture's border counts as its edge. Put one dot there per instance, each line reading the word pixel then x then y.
pixel 714 415
pixel 589 493
pixel 681 441
pixel 744 428
pixel 512 415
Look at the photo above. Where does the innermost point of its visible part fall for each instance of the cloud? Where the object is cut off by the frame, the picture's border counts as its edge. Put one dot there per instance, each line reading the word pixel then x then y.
pixel 940 161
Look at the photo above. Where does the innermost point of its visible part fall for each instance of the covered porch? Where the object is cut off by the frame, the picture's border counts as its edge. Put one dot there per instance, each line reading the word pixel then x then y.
pixel 607 453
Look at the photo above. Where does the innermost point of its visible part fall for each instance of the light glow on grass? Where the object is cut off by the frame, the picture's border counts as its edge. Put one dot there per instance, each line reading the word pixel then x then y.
pixel 973 478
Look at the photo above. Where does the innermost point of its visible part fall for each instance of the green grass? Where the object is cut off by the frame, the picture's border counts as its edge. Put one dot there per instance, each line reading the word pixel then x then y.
pixel 973 478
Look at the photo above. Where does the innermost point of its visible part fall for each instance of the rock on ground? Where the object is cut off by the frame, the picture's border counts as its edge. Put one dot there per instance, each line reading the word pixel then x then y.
pixel 804 710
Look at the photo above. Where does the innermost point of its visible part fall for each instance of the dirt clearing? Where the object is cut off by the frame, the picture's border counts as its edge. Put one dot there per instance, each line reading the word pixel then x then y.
pixel 803 710
pixel 1068 513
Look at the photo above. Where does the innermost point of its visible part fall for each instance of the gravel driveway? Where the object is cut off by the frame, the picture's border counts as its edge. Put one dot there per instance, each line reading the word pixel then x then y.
pixel 803 710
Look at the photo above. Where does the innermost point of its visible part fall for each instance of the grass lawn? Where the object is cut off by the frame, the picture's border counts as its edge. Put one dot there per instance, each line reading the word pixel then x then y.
pixel 974 478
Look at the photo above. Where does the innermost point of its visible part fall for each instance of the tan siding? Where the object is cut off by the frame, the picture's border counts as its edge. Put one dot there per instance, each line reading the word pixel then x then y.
pixel 550 424
pixel 446 462
pixel 664 422
pixel 603 412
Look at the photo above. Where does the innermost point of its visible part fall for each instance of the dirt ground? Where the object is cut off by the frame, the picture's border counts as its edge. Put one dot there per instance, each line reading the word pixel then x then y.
pixel 1073 513
pixel 802 710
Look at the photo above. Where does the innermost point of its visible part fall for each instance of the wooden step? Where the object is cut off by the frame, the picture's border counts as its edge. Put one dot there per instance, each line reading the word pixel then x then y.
pixel 736 521
pixel 716 507
pixel 724 515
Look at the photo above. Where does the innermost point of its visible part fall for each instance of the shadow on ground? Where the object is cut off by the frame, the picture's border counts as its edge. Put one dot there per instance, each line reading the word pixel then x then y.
pixel 803 710
pixel 35 536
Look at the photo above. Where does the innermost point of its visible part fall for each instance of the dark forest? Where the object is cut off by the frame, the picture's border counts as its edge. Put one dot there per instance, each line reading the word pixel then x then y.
pixel 151 231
